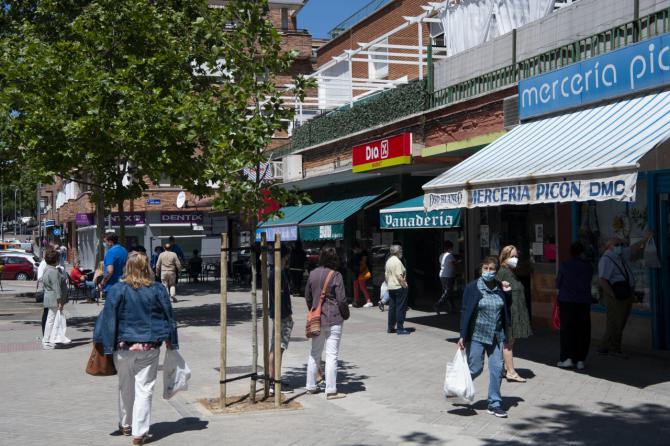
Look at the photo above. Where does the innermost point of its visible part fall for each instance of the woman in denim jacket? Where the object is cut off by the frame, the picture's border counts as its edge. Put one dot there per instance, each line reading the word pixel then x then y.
pixel 136 320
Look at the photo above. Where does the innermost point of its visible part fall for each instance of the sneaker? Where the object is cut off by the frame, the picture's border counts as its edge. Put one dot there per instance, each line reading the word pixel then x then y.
pixel 368 305
pixel 335 396
pixel 497 411
pixel 567 364
pixel 402 331
pixel 48 346
pixel 314 391
pixel 284 389
pixel 381 306
pixel 580 365
pixel 391 330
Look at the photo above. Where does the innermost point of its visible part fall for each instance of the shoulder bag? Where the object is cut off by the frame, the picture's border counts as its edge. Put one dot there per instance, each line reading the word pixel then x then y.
pixel 313 327
pixel 622 289
pixel 100 364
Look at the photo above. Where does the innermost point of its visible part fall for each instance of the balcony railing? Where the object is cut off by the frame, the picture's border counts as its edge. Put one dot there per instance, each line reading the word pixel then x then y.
pixel 414 97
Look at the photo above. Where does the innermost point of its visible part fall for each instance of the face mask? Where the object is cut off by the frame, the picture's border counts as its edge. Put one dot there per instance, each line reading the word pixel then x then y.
pixel 488 276
pixel 618 250
pixel 512 262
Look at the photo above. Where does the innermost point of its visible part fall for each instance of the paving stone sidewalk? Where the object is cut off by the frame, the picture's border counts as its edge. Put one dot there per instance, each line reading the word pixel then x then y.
pixel 394 387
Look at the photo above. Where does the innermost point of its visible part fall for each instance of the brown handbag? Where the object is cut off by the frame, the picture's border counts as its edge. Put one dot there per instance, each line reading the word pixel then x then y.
pixel 100 364
pixel 313 327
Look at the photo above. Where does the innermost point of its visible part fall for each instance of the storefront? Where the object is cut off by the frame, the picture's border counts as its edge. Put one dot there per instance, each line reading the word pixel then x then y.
pixel 589 174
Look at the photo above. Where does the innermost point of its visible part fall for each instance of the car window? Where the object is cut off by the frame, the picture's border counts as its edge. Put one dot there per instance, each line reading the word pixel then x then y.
pixel 12 260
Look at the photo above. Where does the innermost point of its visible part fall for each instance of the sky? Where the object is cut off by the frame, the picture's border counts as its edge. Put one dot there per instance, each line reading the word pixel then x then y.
pixel 320 16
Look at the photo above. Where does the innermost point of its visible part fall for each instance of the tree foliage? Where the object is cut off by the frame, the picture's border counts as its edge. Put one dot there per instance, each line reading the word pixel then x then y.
pixel 116 93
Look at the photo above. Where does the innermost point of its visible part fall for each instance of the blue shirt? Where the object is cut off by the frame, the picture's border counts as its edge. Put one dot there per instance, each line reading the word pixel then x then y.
pixel 574 281
pixel 116 256
pixel 177 250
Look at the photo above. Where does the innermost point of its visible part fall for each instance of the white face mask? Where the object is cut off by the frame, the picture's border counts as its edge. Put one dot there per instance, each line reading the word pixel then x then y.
pixel 512 262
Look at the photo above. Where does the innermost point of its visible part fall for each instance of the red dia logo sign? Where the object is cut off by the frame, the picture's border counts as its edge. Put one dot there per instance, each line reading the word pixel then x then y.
pixel 386 152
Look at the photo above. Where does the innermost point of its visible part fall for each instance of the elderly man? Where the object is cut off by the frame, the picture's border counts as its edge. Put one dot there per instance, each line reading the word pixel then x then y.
pixel 618 284
pixel 396 280
pixel 167 268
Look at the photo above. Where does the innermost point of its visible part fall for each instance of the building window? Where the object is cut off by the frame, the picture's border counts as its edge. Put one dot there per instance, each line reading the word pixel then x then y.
pixel 284 19
pixel 378 65
pixel 164 181
pixel 437 34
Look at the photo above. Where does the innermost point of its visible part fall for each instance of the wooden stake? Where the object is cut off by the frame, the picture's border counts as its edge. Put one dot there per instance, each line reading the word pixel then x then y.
pixel 224 318
pixel 266 333
pixel 254 326
pixel 277 346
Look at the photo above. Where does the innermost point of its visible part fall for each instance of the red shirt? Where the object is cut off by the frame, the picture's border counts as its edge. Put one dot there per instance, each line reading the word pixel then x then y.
pixel 77 276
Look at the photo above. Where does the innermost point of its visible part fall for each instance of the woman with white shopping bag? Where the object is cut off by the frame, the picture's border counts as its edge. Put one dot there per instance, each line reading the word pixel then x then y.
pixel 55 296
pixel 485 323
pixel 136 320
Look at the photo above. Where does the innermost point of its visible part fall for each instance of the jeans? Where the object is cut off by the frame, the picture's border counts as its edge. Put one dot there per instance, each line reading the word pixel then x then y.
pixel 447 296
pixel 575 330
pixel 137 379
pixel 330 336
pixel 475 351
pixel 397 307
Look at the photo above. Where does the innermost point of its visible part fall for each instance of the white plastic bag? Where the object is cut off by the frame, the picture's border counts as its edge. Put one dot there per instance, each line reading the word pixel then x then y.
pixel 651 254
pixel 176 374
pixel 58 330
pixel 458 381
pixel 384 294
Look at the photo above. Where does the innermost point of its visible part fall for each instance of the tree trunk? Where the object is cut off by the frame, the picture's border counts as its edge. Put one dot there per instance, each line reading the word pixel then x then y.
pixel 254 316
pixel 100 225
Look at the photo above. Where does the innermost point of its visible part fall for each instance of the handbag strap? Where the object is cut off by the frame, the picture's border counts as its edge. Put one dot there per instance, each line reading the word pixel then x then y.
pixel 324 290
pixel 623 271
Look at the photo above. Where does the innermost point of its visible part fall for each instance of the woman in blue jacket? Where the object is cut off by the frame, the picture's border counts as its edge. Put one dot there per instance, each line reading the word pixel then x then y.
pixel 485 323
pixel 136 320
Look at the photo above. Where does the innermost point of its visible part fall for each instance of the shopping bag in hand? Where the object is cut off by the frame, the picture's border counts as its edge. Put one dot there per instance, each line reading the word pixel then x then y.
pixel 176 374
pixel 651 254
pixel 384 294
pixel 58 331
pixel 458 381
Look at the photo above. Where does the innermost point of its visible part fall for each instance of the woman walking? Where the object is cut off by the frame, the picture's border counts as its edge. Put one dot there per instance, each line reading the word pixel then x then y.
pixel 333 313
pixel 485 320
pixel 520 322
pixel 136 320
pixel 55 295
pixel 574 299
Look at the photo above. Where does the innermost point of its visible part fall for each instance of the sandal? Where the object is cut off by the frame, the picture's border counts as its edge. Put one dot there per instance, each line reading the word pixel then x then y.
pixel 125 430
pixel 515 378
pixel 144 439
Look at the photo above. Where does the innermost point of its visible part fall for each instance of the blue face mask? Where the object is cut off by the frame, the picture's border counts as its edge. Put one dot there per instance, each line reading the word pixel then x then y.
pixel 618 250
pixel 488 275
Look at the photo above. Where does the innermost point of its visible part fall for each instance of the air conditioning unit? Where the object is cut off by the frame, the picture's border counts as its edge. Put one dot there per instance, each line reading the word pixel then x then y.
pixel 511 112
pixel 276 171
pixel 292 168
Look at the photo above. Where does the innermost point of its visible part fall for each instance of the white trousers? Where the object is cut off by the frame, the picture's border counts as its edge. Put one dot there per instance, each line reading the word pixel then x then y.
pixel 330 336
pixel 48 327
pixel 137 378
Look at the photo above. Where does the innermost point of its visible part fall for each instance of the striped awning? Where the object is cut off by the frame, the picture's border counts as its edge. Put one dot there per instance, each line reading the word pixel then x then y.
pixel 590 154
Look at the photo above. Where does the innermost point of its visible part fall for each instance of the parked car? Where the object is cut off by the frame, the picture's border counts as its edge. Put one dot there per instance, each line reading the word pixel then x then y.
pixel 16 267
pixel 35 260
pixel 10 245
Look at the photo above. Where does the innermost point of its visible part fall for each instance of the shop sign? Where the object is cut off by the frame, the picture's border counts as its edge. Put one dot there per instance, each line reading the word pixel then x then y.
pixel 180 217
pixel 322 232
pixel 628 70
pixel 130 218
pixel 287 233
pixel 84 219
pixel 153 201
pixel 445 218
pixel 392 151
pixel 618 188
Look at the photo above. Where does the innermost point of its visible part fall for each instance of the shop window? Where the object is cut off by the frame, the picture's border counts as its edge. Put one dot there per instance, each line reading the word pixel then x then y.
pixel 284 19
pixel 378 65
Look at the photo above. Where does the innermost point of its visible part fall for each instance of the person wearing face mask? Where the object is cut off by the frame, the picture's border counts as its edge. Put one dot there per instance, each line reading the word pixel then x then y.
pixel 618 283
pixel 485 325
pixel 396 280
pixel 520 322
pixel 573 282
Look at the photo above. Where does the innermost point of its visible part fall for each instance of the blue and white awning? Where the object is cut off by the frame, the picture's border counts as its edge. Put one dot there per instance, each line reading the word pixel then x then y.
pixel 590 154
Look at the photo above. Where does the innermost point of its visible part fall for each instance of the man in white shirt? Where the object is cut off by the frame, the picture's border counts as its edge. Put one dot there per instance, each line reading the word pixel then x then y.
pixel 447 278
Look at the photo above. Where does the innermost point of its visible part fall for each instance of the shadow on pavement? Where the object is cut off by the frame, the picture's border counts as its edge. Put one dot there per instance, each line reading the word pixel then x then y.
pixel 348 380
pixel 208 315
pixel 640 370
pixel 421 438
pixel 644 424
pixel 468 410
pixel 164 429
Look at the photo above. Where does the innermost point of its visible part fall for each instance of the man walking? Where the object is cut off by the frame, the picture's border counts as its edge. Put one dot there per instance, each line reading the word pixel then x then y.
pixel 168 267
pixel 397 286
pixel 115 260
pixel 176 249
pixel 447 278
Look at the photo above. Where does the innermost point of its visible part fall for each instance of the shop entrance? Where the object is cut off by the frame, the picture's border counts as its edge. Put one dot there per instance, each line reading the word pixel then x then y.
pixel 663 274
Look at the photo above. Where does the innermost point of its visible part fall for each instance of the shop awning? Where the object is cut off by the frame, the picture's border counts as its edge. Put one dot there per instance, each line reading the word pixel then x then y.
pixel 287 226
pixel 328 222
pixel 590 154
pixel 410 214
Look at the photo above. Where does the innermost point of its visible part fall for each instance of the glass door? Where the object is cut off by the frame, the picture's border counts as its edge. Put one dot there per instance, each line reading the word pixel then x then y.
pixel 663 275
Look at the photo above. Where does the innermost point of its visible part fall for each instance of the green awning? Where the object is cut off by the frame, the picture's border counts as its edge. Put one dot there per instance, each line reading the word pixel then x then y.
pixel 410 214
pixel 292 215
pixel 328 222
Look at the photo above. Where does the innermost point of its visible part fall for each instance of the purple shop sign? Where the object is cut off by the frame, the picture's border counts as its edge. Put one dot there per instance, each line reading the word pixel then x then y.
pixel 84 219
pixel 178 217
